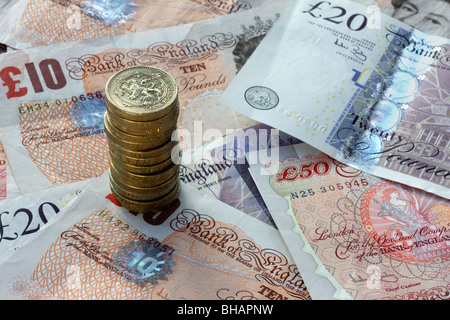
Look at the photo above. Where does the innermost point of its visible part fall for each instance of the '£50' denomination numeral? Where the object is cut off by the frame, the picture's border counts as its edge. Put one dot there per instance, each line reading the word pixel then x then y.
pixel 304 171
pixel 50 70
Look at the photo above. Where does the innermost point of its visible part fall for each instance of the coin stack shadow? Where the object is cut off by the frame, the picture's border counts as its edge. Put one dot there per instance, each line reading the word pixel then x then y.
pixel 144 172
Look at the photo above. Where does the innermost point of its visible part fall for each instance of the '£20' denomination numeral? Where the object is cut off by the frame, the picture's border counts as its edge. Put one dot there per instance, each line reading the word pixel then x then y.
pixel 336 14
pixel 4 235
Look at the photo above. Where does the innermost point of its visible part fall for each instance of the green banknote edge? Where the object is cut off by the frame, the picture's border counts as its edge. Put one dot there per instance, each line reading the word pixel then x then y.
pixel 340 292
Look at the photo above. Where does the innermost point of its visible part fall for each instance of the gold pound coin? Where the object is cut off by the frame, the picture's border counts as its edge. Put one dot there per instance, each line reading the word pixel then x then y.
pixel 134 142
pixel 147 207
pixel 153 160
pixel 143 194
pixel 145 157
pixel 159 127
pixel 144 180
pixel 140 169
pixel 141 93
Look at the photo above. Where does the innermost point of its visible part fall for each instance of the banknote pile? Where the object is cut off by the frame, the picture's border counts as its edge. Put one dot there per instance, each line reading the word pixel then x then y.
pixel 142 110
pixel 233 150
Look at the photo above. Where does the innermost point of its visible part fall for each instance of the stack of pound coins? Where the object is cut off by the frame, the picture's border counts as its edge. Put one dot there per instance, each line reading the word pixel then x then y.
pixel 141 114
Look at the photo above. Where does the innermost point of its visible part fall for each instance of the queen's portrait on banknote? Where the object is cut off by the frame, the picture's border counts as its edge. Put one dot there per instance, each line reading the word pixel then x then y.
pixel 249 40
pixel 429 16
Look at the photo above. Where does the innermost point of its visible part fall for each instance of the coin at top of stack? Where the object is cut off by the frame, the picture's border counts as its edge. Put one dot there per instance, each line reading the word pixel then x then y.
pixel 141 114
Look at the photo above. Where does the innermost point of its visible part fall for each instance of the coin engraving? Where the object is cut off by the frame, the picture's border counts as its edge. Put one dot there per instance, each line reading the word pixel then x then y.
pixel 261 98
pixel 142 93
pixel 138 88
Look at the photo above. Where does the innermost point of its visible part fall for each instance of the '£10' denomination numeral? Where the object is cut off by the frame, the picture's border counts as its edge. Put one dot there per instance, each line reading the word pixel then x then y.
pixel 50 70
pixel 143 263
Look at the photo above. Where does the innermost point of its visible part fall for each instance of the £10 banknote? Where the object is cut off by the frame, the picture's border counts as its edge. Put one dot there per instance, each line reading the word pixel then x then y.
pixel 53 100
pixel 206 249
pixel 354 235
pixel 30 23
pixel 371 95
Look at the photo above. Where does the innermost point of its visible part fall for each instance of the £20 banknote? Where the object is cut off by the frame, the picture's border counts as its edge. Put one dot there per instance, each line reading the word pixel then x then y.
pixel 374 96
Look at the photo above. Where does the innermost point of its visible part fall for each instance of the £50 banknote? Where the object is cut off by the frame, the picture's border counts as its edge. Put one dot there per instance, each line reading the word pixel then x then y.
pixel 29 23
pixel 354 235
pixel 373 95
pixel 95 249
pixel 53 99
